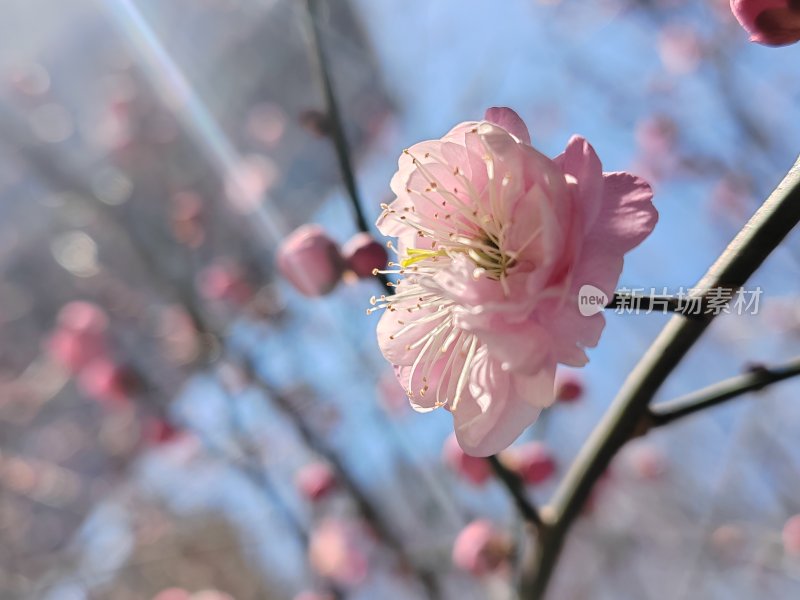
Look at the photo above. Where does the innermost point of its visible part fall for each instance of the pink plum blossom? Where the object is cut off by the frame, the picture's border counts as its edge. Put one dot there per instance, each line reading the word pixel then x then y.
pixel 791 536
pixel 80 335
pixel 363 255
pixel 337 550
pixel 494 242
pixel 473 469
pixel 769 22
pixel 311 261
pixel 480 548
pixel 315 481
pixel 569 387
pixel 532 461
pixel 107 382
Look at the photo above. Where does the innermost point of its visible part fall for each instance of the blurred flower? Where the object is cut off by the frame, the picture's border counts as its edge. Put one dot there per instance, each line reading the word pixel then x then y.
pixel 495 242
pixel 473 469
pixel 249 181
pixel 336 551
pixel 310 260
pixel 680 49
pixel 186 218
pixel 569 387
pixel 159 431
pixel 314 596
pixel 532 461
pixel 224 280
pixel 769 22
pixel 728 540
pixel 791 536
pixel 481 548
pixel 173 594
pixel 80 335
pixel 108 382
pixel 315 481
pixel 363 254
pixel 645 460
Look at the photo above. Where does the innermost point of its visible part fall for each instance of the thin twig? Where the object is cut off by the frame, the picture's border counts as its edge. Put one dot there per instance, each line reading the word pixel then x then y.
pixel 516 487
pixel 335 117
pixel 757 379
pixel 754 243
pixel 336 123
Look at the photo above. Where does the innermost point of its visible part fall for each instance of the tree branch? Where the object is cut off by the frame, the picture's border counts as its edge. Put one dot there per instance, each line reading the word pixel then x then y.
pixel 516 488
pixel 754 243
pixel 757 379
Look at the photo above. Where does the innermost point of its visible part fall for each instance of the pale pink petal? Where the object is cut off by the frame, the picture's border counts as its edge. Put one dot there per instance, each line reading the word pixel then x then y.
pixel 581 162
pixel 500 408
pixel 510 121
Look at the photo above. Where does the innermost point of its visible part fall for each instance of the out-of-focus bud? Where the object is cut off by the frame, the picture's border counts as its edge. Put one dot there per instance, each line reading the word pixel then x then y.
pixel 80 335
pixel 107 382
pixel 224 280
pixel 769 22
pixel 646 461
pixel 532 461
pixel 363 254
pixel 315 481
pixel 337 551
pixel 481 548
pixel 308 595
pixel 173 593
pixel 83 318
pixel 473 469
pixel 728 541
pixel 211 595
pixel 186 218
pixel 569 387
pixel 158 431
pixel 311 261
pixel 791 536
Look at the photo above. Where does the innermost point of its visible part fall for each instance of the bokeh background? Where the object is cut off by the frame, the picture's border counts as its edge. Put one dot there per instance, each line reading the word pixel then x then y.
pixel 153 154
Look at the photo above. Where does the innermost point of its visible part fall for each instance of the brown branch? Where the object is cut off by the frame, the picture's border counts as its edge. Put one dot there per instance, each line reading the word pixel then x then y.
pixel 754 243
pixel 516 487
pixel 757 379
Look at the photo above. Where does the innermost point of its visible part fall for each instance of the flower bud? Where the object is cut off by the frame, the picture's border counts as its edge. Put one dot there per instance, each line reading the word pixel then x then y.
pixel 791 536
pixel 473 469
pixel 315 481
pixel 363 254
pixel 480 548
pixel 769 22
pixel 107 382
pixel 311 261
pixel 532 461
pixel 569 387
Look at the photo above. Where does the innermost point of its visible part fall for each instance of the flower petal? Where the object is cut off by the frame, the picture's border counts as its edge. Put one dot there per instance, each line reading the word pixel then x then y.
pixel 510 121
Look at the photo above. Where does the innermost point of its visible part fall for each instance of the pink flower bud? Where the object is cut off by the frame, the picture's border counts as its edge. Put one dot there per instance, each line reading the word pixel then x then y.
pixel 310 260
pixel 83 318
pixel 532 461
pixel 225 281
pixel 646 461
pixel 173 594
pixel 569 387
pixel 791 536
pixel 769 22
pixel 159 431
pixel 473 469
pixel 74 351
pixel 307 595
pixel 107 382
pixel 315 481
pixel 363 254
pixel 337 551
pixel 480 548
